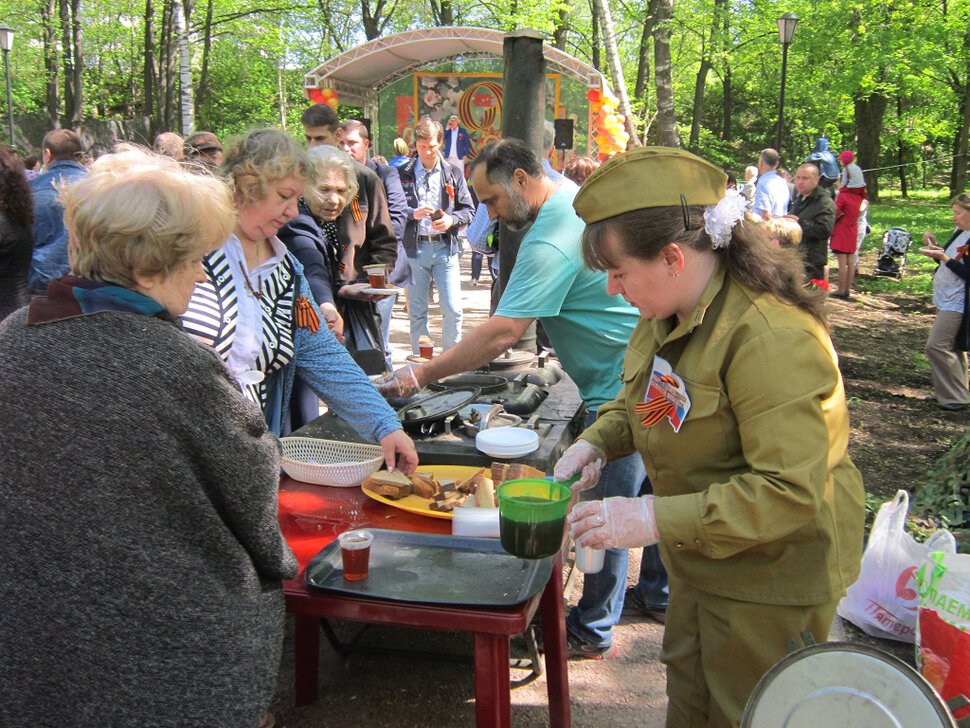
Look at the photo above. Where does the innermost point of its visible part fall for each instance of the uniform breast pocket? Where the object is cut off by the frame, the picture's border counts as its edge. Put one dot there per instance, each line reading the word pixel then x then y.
pixel 706 423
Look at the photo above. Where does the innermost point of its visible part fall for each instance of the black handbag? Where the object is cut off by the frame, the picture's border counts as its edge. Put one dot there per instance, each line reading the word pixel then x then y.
pixel 362 335
pixel 962 342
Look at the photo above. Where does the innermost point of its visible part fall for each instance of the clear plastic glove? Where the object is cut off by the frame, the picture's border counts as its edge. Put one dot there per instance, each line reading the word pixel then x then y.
pixel 615 523
pixel 399 384
pixel 399 452
pixel 583 458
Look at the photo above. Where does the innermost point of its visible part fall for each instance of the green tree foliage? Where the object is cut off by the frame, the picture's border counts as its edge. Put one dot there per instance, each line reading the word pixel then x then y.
pixel 904 63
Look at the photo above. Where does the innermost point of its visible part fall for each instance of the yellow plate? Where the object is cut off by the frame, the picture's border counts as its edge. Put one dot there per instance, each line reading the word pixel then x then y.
pixel 419 505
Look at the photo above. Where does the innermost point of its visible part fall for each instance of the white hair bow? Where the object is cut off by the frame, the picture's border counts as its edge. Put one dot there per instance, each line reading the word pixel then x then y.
pixel 720 219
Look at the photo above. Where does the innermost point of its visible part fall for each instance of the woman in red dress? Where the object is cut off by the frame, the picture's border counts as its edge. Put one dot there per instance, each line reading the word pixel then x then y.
pixel 845 233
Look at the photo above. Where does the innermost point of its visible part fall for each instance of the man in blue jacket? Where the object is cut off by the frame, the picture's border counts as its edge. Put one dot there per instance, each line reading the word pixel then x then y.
pixel 457 144
pixel 62 152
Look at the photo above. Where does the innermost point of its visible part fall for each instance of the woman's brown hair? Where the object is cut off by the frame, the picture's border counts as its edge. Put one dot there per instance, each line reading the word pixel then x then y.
pixel 16 201
pixel 749 258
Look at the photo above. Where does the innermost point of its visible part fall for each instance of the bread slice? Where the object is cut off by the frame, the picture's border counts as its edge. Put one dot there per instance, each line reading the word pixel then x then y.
pixel 385 477
pixel 390 485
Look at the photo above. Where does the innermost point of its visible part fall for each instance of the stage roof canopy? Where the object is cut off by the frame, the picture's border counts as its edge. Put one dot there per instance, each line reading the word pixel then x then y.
pixel 359 74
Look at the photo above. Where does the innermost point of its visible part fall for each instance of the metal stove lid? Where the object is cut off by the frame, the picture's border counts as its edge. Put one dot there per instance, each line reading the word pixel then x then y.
pixel 838 683
pixel 487 383
pixel 437 406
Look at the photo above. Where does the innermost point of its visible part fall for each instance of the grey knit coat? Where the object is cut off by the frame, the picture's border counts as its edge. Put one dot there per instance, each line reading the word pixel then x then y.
pixel 140 555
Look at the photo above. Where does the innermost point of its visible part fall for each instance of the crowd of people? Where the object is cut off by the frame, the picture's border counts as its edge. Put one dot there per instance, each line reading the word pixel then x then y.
pixel 688 309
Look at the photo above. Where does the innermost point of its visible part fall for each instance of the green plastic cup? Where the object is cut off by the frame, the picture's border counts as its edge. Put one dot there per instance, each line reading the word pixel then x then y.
pixel 532 517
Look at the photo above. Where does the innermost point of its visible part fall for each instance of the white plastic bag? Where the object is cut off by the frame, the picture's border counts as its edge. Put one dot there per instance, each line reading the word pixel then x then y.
pixel 883 601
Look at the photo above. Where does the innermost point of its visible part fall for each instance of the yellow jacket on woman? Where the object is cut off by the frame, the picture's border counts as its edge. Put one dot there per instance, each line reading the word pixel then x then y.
pixel 757 497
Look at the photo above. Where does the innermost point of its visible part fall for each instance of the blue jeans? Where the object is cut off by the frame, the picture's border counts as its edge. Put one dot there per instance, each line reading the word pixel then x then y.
pixel 601 605
pixel 385 309
pixel 434 261
pixel 477 259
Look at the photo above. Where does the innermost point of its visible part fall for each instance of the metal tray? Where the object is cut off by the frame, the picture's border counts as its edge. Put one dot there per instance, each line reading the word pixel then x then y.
pixel 426 567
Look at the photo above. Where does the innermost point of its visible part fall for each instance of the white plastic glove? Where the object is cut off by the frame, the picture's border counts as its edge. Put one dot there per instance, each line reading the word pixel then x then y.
pixel 615 523
pixel 583 458
pixel 401 383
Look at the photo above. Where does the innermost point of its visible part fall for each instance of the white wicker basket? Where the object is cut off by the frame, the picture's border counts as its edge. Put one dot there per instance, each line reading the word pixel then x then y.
pixel 328 462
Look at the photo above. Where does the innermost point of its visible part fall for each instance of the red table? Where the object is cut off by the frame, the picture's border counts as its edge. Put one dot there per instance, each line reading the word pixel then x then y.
pixel 311 516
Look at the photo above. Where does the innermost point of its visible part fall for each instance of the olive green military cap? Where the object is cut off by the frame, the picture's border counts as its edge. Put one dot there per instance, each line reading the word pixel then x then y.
pixel 648 177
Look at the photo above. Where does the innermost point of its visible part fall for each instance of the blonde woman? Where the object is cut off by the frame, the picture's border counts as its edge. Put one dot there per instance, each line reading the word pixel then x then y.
pixel 256 309
pixel 140 545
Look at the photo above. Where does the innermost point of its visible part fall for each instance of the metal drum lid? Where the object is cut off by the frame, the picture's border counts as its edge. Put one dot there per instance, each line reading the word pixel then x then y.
pixel 842 684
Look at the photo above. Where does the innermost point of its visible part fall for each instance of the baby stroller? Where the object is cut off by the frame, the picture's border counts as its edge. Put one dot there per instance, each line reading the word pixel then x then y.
pixel 892 259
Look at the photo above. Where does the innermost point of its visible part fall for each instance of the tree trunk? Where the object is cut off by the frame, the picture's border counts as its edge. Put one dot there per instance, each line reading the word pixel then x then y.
pixel 202 90
pixel 616 67
pixel 151 68
pixel 666 113
pixel 597 61
pixel 869 112
pixel 48 9
pixel 561 28
pixel 901 151
pixel 442 11
pixel 167 69
pixel 727 101
pixel 77 76
pixel 643 59
pixel 181 13
pixel 699 83
pixel 958 173
pixel 68 61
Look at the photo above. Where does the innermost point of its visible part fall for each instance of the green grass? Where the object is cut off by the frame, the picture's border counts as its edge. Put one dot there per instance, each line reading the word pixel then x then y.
pixel 922 211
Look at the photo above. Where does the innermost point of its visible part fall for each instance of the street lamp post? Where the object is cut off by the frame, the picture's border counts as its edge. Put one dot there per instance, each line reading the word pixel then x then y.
pixel 6 43
pixel 786 31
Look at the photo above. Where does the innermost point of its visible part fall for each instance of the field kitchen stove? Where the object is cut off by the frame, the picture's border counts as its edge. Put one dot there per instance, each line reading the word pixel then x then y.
pixel 443 419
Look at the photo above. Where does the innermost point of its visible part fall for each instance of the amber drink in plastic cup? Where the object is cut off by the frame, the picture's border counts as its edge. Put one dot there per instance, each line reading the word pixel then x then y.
pixel 427 350
pixel 355 552
pixel 376 276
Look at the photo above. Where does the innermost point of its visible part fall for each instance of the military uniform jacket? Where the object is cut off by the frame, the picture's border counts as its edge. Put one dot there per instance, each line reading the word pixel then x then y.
pixel 757 497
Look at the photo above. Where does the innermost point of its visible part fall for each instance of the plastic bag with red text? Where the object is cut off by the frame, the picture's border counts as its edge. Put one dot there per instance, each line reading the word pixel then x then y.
pixel 943 628
pixel 882 602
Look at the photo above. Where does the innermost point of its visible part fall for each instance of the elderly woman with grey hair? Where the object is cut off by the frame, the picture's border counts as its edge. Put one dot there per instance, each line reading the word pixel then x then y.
pixel 141 559
pixel 313 237
pixel 256 309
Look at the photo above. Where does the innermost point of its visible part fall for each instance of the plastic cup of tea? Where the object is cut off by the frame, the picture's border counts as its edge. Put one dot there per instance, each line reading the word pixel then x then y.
pixel 532 517
pixel 589 560
pixel 427 350
pixel 355 552
pixel 376 275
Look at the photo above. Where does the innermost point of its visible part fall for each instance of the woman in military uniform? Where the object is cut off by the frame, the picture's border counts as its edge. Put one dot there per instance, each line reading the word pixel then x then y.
pixel 733 397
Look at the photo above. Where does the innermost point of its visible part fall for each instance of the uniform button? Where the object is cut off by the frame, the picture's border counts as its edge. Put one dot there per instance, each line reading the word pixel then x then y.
pixel 678 544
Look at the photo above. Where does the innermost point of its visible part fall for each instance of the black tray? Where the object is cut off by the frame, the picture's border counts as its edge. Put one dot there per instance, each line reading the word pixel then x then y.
pixel 426 567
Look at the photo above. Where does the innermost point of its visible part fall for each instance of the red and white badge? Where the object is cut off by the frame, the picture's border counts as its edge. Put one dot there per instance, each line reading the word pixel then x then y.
pixel 666 396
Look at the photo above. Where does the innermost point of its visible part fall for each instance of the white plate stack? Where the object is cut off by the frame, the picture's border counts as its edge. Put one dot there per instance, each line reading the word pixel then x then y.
pixel 507 442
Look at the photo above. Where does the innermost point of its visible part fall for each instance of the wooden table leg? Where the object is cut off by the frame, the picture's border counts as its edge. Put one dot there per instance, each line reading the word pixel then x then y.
pixel 493 699
pixel 554 637
pixel 306 658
